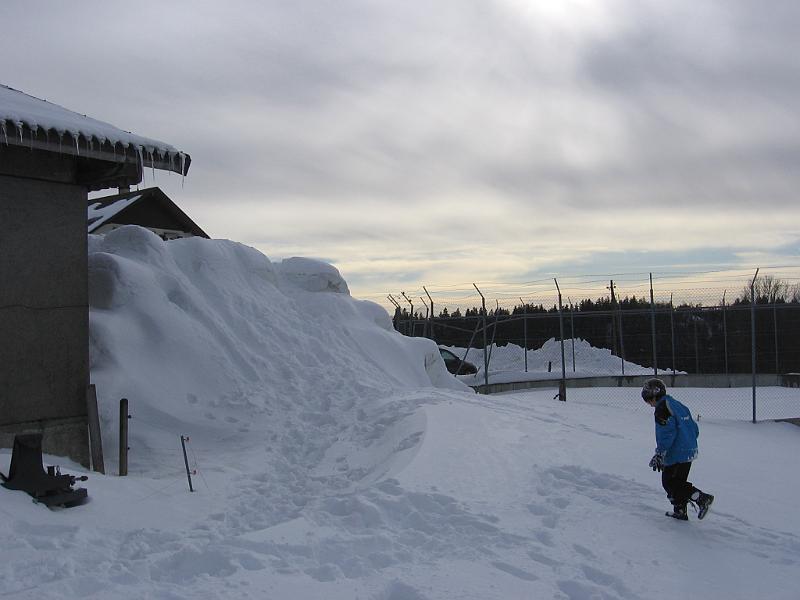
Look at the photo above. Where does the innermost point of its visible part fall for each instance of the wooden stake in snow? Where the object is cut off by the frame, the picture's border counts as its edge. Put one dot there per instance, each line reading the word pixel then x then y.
pixel 123 437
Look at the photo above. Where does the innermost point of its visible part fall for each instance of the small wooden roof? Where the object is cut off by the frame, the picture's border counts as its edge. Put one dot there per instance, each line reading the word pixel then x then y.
pixel 126 209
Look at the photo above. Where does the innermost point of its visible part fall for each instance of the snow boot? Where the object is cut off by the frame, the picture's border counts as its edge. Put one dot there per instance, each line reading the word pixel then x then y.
pixel 703 503
pixel 678 512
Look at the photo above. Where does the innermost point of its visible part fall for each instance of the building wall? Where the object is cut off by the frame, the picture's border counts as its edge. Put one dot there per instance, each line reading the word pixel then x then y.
pixel 44 317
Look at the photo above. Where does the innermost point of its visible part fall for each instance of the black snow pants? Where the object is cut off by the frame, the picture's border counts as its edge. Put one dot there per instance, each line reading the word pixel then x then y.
pixel 673 478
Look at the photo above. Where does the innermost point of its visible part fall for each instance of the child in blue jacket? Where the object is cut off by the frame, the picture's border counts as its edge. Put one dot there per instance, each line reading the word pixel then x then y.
pixel 676 448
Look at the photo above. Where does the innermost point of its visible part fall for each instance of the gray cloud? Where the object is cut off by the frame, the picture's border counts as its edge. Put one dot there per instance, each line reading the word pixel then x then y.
pixel 472 138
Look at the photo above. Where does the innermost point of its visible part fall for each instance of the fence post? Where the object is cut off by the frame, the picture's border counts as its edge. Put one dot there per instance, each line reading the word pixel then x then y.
pixel 525 331
pixel 123 437
pixel 653 327
pixel 494 330
pixel 775 326
pixel 398 313
pixel 614 348
pixel 696 355
pixel 672 331
pixel 562 388
pixel 430 327
pixel 95 438
pixel 572 330
pixel 411 320
pixel 725 329
pixel 485 353
pixel 426 321
pixel 618 311
pixel 753 338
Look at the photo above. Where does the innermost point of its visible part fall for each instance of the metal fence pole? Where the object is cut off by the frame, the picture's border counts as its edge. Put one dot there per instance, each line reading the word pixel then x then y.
pixel 430 323
pixel 725 329
pixel 775 327
pixel 618 311
pixel 427 320
pixel 572 330
pixel 614 348
pixel 672 330
pixel 653 327
pixel 494 331
pixel 753 341
pixel 485 353
pixel 397 313
pixel 525 331
pixel 562 388
pixel 411 321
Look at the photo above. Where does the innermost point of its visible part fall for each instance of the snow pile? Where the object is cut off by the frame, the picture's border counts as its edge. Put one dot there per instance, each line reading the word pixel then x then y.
pixel 336 459
pixel 194 326
pixel 507 363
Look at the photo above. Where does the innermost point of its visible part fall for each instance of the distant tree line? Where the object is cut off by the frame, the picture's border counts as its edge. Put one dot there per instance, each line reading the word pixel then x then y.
pixel 702 339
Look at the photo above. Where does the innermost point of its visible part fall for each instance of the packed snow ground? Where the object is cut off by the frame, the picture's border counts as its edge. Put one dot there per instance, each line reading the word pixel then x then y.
pixel 337 460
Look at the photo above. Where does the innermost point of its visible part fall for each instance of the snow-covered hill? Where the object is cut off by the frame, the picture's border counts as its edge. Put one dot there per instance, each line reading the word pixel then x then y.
pixel 336 459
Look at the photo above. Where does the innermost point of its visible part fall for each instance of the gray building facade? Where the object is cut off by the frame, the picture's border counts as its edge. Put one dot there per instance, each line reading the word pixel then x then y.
pixel 44 308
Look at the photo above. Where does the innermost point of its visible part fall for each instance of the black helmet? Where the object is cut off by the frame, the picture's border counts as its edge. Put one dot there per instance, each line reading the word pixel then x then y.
pixel 653 389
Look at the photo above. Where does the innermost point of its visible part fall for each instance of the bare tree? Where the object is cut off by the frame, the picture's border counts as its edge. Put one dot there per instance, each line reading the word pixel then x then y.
pixel 770 289
pixel 794 293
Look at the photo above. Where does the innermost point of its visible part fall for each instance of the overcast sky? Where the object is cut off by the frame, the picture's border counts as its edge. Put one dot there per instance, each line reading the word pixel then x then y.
pixel 449 141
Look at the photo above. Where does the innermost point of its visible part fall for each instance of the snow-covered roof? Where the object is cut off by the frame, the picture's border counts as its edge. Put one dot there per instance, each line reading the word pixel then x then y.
pixel 29 121
pixel 98 213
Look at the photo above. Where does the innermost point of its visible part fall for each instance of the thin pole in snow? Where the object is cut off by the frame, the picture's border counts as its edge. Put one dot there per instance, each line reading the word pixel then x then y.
pixel 186 462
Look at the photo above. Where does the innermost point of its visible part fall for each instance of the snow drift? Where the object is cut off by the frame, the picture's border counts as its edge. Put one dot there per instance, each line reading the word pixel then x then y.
pixel 189 328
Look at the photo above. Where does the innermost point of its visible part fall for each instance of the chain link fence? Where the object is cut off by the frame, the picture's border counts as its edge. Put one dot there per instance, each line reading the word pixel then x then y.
pixel 735 334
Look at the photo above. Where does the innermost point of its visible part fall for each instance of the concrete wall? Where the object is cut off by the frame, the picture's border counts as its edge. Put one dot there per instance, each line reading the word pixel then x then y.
pixel 44 317
pixel 709 381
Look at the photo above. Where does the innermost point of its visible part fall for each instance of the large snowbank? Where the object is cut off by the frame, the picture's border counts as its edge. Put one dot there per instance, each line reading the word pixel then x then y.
pixel 191 327
pixel 336 459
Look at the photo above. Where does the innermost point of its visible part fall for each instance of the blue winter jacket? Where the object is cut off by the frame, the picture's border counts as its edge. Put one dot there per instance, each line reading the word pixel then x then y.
pixel 676 432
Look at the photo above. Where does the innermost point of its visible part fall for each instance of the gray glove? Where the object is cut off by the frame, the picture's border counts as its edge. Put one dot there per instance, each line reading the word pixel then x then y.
pixel 657 462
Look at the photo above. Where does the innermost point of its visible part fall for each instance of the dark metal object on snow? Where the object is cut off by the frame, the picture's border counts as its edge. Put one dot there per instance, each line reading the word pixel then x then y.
pixel 27 474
